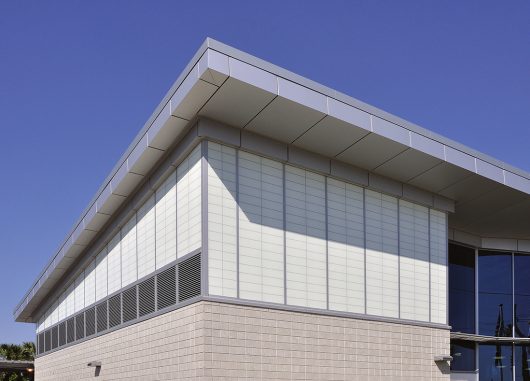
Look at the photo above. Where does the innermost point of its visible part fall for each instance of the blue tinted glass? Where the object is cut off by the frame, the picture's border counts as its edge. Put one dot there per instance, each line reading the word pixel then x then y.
pixel 522 295
pixel 463 353
pixel 495 362
pixel 522 363
pixel 461 289
pixel 495 293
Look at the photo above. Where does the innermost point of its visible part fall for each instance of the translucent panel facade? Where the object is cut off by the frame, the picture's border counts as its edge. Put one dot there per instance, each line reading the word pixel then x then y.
pixel 303 239
pixel 147 240
pixel 222 219
pixel 345 246
pixel 261 234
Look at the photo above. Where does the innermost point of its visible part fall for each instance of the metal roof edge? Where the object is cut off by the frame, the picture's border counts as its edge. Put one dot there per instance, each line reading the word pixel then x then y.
pixel 354 102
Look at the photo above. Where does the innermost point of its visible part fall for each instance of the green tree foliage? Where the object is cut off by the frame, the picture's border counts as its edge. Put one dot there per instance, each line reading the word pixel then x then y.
pixel 23 352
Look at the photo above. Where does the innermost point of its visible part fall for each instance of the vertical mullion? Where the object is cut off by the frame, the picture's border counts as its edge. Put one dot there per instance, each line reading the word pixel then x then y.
pixel 327 239
pixel 430 261
pixel 364 223
pixel 476 293
pixel 204 217
pixel 284 236
pixel 237 224
pixel 399 255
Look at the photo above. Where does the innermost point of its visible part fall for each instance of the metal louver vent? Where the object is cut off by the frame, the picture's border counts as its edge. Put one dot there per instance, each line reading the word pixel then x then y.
pixel 115 311
pixel 101 316
pixel 80 326
pixel 62 334
pixel 41 342
pixel 130 308
pixel 70 330
pixel 146 295
pixel 47 340
pixel 90 322
pixel 190 278
pixel 166 288
pixel 55 337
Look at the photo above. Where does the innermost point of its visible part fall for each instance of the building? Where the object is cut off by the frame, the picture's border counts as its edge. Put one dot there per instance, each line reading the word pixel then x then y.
pixel 263 226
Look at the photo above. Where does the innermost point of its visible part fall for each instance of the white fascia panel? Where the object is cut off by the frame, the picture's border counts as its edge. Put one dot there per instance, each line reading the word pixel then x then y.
pixel 213 67
pixel 191 95
pixel 166 127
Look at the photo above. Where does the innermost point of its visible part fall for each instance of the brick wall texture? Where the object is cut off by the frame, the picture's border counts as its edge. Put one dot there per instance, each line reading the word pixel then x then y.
pixel 216 341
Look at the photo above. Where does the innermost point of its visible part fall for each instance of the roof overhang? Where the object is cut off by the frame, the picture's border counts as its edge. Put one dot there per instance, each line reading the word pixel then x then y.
pixel 230 86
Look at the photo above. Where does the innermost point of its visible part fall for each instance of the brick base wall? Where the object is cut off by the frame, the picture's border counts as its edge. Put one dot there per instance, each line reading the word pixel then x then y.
pixel 215 341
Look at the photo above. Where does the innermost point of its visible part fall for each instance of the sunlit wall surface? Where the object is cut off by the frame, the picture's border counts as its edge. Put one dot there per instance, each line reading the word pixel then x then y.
pixel 282 234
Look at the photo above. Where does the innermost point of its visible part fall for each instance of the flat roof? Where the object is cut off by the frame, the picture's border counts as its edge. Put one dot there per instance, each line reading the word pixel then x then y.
pixel 282 105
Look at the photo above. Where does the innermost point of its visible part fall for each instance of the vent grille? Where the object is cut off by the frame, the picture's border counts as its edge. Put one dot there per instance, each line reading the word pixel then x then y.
pixel 47 340
pixel 55 337
pixel 115 311
pixel 80 326
pixel 62 334
pixel 70 330
pixel 177 283
pixel 101 316
pixel 130 308
pixel 190 278
pixel 90 322
pixel 166 288
pixel 41 342
pixel 146 294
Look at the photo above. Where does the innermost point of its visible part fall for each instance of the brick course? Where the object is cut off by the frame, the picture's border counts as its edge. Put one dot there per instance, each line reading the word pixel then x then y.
pixel 216 341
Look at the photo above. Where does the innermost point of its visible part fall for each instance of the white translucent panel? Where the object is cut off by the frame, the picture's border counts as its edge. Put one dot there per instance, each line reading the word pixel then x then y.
pixel 189 203
pixel 145 237
pixel 70 300
pixel 414 261
pixel 101 275
pixel 90 283
pixel 382 263
pixel 305 211
pixel 165 220
pixel 345 246
pixel 129 268
pixel 40 324
pixel 438 246
pixel 261 231
pixel 54 314
pixel 79 292
pixel 47 318
pixel 222 211
pixel 114 264
pixel 62 306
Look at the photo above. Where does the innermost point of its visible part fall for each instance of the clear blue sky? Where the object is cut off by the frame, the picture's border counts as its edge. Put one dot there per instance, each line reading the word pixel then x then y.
pixel 79 78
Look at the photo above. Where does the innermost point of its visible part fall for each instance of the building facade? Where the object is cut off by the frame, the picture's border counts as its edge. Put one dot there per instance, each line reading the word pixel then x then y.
pixel 262 226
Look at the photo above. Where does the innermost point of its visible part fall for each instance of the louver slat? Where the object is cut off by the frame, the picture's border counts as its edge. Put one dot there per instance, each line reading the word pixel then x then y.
pixel 166 288
pixel 101 316
pixel 80 326
pixel 189 278
pixel 70 330
pixel 47 340
pixel 62 334
pixel 130 308
pixel 41 342
pixel 115 311
pixel 90 322
pixel 146 294
pixel 55 337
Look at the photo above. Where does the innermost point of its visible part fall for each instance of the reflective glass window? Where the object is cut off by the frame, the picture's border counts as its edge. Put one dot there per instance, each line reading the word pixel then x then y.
pixel 461 288
pixel 522 362
pixel 495 293
pixel 463 353
pixel 521 295
pixel 495 362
